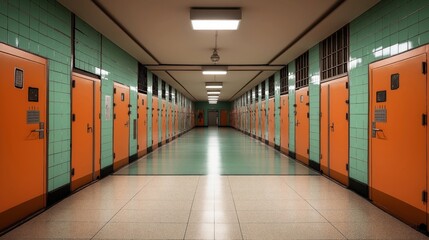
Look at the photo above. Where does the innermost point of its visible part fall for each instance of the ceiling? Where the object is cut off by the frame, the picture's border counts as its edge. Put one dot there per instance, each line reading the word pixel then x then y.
pixel 272 33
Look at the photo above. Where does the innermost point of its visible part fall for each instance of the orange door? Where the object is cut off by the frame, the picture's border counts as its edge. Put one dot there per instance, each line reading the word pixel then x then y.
pixel 83 130
pixel 398 136
pixel 284 124
pixel 263 117
pixel 223 117
pixel 335 129
pixel 23 135
pixel 142 124
pixel 170 121
pixel 164 122
pixel 271 127
pixel 121 130
pixel 256 121
pixel 154 122
pixel 302 129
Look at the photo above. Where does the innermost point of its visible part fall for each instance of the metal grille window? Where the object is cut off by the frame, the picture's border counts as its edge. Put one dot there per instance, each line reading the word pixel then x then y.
pixel 256 93
pixel 170 93
pixel 334 53
pixel 251 97
pixel 284 81
pixel 263 91
pixel 301 71
pixel 271 86
pixel 142 79
pixel 175 96
pixel 163 89
pixel 155 85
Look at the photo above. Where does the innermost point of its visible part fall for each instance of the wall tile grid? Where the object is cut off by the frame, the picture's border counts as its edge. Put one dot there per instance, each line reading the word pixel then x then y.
pixel 277 108
pixel 314 88
pixel 43 28
pixel 291 79
pixel 389 28
pixel 87 47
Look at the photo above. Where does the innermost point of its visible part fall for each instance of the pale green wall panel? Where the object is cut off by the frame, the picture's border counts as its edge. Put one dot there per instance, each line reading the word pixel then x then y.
pixel 314 88
pixel 87 47
pixel 292 109
pixel 277 108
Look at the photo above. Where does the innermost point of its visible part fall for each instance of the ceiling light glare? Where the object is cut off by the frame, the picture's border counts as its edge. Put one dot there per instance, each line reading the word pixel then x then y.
pixel 213 92
pixel 212 102
pixel 213 85
pixel 215 70
pixel 215 18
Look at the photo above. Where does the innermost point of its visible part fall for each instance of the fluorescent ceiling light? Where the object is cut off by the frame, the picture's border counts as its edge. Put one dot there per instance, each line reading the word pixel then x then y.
pixel 215 18
pixel 213 97
pixel 212 102
pixel 213 92
pixel 213 85
pixel 214 70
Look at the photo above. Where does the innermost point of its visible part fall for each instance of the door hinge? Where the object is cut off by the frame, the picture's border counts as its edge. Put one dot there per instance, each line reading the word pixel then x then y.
pixel 114 116
pixel 321 156
pixel 308 115
pixel 72 172
pixel 308 93
pixel 99 116
pixel 424 119
pixel 347 85
pixel 138 115
pixel 73 83
pixel 73 117
pixel 114 90
pixel 424 196
pixel 138 146
pixel 114 155
pixel 308 151
pixel 424 67
pixel 347 116
pixel 347 101
pixel 347 166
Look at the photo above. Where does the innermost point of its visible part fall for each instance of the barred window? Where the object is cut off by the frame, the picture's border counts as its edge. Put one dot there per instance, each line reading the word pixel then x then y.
pixel 284 81
pixel 155 85
pixel 251 96
pixel 263 91
pixel 334 54
pixel 175 96
pixel 301 71
pixel 163 89
pixel 170 93
pixel 142 79
pixel 256 93
pixel 271 86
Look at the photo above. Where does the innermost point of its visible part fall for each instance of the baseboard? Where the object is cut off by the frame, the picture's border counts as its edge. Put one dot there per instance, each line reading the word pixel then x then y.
pixel 359 187
pixel 106 171
pixel 292 154
pixel 134 157
pixel 314 165
pixel 57 195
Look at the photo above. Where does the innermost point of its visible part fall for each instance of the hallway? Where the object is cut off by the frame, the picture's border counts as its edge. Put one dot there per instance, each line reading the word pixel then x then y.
pixel 214 203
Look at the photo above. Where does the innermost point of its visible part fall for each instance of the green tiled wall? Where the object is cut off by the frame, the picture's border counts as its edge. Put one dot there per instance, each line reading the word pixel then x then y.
pixel 277 107
pixel 43 27
pixel 389 28
pixel 291 79
pixel 119 67
pixel 87 47
pixel 314 88
pixel 149 110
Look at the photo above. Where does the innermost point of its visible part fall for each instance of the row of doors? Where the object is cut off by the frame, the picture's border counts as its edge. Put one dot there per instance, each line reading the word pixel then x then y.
pixel 23 138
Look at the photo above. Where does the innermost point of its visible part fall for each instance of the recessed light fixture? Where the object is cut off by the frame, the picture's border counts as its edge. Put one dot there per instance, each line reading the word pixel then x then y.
pixel 215 18
pixel 213 85
pixel 212 102
pixel 214 70
pixel 213 92
pixel 213 97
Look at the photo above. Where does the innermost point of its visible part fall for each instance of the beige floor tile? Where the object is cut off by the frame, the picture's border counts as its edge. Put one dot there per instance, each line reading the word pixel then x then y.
pixel 159 204
pixel 151 216
pixel 356 215
pixel 271 205
pixel 142 231
pixel 340 204
pixel 290 231
pixel 200 231
pixel 224 205
pixel 146 194
pixel 202 217
pixel 79 203
pixel 226 216
pixel 378 230
pixel 76 215
pixel 284 216
pixel 227 231
pixel 203 205
pixel 40 230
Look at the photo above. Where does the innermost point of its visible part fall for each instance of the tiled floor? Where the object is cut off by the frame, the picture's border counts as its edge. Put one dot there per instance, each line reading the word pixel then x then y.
pixel 295 204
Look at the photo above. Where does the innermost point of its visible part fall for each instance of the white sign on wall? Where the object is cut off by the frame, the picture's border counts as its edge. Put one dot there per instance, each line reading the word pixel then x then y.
pixel 107 107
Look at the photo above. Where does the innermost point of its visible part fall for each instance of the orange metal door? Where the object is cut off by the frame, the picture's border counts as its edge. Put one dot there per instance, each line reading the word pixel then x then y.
pixel 83 121
pixel 142 124
pixel 256 120
pixel 263 117
pixel 121 125
pixel 284 124
pixel 23 136
pixel 170 121
pixel 397 133
pixel 223 117
pixel 302 129
pixel 335 129
pixel 164 122
pixel 176 123
pixel 271 127
pixel 154 122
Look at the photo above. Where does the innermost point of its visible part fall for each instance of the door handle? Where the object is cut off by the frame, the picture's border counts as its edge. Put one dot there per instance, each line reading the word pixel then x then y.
pixel 40 130
pixel 297 123
pixel 332 127
pixel 88 128
pixel 374 130
pixel 126 124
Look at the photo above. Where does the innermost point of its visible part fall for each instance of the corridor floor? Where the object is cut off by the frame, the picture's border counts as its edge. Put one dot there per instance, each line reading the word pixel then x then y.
pixel 206 203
